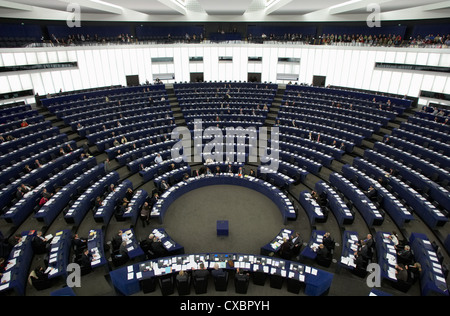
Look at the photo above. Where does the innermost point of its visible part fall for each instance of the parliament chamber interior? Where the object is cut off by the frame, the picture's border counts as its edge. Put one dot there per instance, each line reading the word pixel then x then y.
pixel 255 148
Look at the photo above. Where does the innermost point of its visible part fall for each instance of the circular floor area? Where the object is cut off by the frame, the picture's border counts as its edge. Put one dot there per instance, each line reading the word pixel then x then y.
pixel 254 220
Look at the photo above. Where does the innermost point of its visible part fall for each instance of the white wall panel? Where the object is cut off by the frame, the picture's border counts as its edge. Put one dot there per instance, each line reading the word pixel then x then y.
pixel 67 78
pixel 20 59
pixel 411 58
pixel 99 66
pixel 14 82
pixel 385 81
pixel 42 58
pixel 52 57
pixel 62 56
pixel 394 84
pixel 48 83
pixel 339 67
pixel 438 84
pixel 416 82
pixel 31 58
pixel 433 60
pixel 58 83
pixel 106 69
pixel 422 58
pixel 25 80
pixel 360 69
pixel 4 85
pixel 400 57
pixel 38 85
pixel 8 59
pixel 91 70
pixel 351 67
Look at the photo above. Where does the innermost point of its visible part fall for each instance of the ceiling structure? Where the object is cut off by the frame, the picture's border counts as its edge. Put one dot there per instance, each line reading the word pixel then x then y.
pixel 225 10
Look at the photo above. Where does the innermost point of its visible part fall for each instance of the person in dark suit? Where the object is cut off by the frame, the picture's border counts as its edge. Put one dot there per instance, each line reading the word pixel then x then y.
pixel 322 252
pixel 39 243
pixel 405 256
pixel 217 272
pixel 154 199
pixel 117 240
pixel 371 193
pixel 19 193
pixel 129 194
pixel 328 242
pixel 242 275
pixel 86 258
pixel 285 251
pixel 157 247
pixel 182 276
pixel 80 243
pixel 146 244
pixel 296 244
pixel 145 214
pixel 201 272
pixel 164 185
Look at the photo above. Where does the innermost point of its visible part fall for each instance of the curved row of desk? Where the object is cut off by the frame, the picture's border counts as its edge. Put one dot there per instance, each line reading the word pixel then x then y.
pixel 172 194
pixel 128 280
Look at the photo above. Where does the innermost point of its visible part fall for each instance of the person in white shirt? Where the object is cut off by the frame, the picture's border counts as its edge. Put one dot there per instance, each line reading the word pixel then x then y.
pixel 158 158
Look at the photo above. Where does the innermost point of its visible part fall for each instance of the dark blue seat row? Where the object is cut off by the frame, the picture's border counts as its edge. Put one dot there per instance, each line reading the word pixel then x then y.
pixel 71 167
pixel 365 206
pixel 421 206
pixel 412 177
pixel 335 202
pixel 432 280
pixel 63 197
pixel 104 213
pixel 37 176
pixel 85 201
pixel 397 211
pixel 424 141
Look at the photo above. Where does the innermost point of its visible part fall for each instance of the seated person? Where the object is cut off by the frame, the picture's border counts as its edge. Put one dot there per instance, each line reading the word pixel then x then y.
pixel 371 193
pixel 120 256
pixel 40 244
pixel 328 242
pixel 79 243
pixel 405 256
pixel 217 272
pixel 129 194
pixel 164 185
pixel 285 250
pixel 322 252
pixel 37 275
pixel 146 244
pixel 157 247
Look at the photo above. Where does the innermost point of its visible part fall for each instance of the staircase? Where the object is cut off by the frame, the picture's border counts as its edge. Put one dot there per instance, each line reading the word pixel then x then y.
pixel 175 107
pixel 275 108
